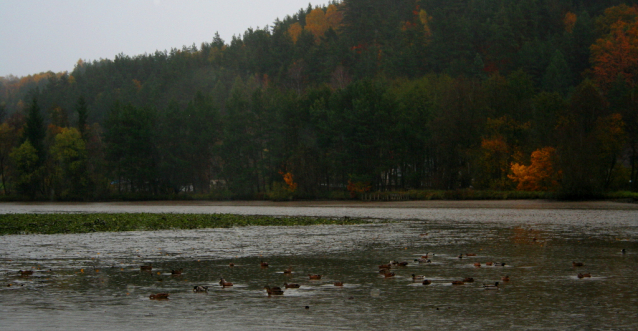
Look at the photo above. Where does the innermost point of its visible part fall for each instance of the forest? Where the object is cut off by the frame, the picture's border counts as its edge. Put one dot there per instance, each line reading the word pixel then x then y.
pixel 334 101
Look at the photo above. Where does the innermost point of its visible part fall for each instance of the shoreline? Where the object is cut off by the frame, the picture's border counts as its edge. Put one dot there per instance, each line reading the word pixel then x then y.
pixel 13 207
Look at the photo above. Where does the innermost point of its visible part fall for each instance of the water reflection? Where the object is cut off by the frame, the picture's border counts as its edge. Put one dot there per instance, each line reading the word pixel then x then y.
pixel 94 280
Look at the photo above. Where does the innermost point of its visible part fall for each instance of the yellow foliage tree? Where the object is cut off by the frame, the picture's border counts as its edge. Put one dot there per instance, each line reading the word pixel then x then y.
pixel 69 153
pixel 294 31
pixel 425 20
pixel 540 175
pixel 317 23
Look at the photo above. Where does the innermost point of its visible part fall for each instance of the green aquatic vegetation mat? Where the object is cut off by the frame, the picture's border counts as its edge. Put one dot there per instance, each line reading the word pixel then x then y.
pixel 83 223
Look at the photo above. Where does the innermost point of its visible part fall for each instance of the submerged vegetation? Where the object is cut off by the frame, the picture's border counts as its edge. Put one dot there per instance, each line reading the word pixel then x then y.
pixel 103 222
pixel 355 97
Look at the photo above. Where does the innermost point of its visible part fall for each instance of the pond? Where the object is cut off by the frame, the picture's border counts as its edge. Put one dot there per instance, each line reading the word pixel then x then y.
pixel 83 281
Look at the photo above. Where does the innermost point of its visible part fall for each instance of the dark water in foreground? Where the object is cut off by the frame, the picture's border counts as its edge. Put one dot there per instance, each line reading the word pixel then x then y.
pixel 93 281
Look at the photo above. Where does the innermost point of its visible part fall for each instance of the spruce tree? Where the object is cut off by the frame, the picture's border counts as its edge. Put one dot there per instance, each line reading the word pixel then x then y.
pixel 83 114
pixel 557 76
pixel 34 130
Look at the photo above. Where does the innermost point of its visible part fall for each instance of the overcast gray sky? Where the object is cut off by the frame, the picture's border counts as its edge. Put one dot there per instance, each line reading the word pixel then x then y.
pixel 42 35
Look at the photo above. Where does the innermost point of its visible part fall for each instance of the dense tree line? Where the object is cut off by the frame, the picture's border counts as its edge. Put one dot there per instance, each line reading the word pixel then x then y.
pixel 358 95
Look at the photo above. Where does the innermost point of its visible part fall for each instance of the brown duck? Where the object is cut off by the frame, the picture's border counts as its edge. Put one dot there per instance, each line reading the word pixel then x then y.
pixel 224 283
pixel 275 290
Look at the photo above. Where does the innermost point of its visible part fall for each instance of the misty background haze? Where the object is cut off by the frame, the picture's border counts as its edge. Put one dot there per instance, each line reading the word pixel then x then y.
pixel 38 36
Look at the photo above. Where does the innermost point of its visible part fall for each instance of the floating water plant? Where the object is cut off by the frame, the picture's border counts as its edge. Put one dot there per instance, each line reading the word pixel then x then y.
pixel 88 222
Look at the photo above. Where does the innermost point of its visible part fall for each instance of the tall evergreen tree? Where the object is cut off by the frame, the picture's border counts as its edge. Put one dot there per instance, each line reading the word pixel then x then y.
pixel 557 75
pixel 34 130
pixel 3 112
pixel 83 114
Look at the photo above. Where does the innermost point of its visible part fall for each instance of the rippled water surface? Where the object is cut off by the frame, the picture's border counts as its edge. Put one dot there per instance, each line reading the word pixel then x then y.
pixel 84 281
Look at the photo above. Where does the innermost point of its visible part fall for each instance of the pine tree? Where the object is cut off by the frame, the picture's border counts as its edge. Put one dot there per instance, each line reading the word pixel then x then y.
pixel 557 75
pixel 34 130
pixel 83 113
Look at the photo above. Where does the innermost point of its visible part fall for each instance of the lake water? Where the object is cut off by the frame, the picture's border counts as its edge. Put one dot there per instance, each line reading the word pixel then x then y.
pixel 94 281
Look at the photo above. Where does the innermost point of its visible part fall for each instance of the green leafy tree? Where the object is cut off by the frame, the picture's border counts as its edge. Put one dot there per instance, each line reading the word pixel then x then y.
pixel 417 102
pixel 28 169
pixel 70 155
pixel 7 144
pixel 546 109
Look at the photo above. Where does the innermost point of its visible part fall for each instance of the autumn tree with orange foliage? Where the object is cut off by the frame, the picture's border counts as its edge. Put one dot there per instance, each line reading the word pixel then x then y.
pixel 288 178
pixel 540 175
pixel 569 21
pixel 615 56
pixel 613 15
pixel 294 31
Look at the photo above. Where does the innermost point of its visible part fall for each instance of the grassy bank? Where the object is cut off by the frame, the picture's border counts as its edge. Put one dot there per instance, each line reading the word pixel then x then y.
pixel 83 223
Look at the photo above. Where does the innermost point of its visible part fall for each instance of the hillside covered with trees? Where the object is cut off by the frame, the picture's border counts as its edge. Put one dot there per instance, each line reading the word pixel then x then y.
pixel 355 96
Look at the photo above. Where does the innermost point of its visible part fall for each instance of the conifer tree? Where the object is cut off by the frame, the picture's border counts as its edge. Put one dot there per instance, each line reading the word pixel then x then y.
pixel 83 113
pixel 34 130
pixel 557 75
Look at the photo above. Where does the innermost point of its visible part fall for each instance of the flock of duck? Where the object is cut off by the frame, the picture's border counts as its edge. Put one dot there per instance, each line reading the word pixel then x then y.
pixel 274 290
pixel 385 270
